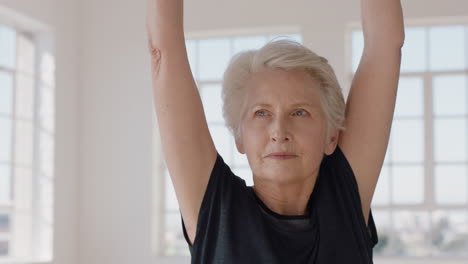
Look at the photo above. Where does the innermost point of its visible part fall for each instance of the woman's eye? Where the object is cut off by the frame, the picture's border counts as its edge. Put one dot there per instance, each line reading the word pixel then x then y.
pixel 263 113
pixel 260 111
pixel 298 111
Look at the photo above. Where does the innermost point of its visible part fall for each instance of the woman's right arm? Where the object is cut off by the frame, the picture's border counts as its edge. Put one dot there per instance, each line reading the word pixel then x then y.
pixel 188 148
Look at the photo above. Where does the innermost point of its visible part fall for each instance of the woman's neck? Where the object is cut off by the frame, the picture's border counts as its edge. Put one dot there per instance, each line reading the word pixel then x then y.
pixel 289 199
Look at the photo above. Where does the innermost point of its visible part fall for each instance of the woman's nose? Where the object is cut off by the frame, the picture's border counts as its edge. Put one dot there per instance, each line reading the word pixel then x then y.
pixel 280 131
pixel 280 138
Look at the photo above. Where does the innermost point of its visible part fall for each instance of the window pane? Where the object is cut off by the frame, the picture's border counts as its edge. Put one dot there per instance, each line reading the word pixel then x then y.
pixel 6 93
pixel 383 226
pixel 450 95
pixel 244 173
pixel 47 214
pixel 23 189
pixel 47 108
pixel 450 233
pixel 46 191
pixel 24 96
pixel 46 199
pixel 357 48
pixel 407 140
pixel 4 248
pixel 47 69
pixel 6 126
pixel 411 236
pixel 46 154
pixel 26 53
pixel 191 46
pixel 295 37
pixel 174 236
pixel 408 184
pixel 388 154
pixel 7 47
pixel 24 143
pixel 212 103
pixel 220 135
pixel 451 184
pixel 413 57
pixel 447 48
pixel 214 58
pixel 450 140
pixel 4 223
pixel 45 240
pixel 171 198
pixel 232 146
pixel 5 184
pixel 382 190
pixel 22 233
pixel 410 97
pixel 248 43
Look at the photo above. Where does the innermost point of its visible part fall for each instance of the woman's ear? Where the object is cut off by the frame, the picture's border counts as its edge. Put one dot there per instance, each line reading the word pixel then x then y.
pixel 239 145
pixel 332 142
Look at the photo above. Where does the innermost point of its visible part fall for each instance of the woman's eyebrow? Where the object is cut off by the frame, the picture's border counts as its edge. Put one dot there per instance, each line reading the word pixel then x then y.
pixel 292 105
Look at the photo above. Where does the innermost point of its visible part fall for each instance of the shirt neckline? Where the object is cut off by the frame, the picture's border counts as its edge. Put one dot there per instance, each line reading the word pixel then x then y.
pixel 276 215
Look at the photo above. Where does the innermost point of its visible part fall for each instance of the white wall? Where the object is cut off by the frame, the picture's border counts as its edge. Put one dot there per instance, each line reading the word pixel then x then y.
pixel 105 112
pixel 61 17
pixel 116 132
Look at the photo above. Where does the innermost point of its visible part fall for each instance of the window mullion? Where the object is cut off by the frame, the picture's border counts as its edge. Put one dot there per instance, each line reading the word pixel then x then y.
pixel 466 87
pixel 429 141
pixel 429 152
pixel 13 210
pixel 36 137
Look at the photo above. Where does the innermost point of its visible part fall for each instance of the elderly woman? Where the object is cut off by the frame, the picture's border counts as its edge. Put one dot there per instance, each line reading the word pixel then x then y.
pixel 315 161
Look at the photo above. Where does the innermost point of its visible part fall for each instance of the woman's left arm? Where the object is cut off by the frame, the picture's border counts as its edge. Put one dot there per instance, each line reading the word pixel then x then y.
pixel 371 100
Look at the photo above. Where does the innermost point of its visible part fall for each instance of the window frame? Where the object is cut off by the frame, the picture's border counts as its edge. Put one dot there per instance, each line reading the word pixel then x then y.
pixel 429 204
pixel 40 36
pixel 161 173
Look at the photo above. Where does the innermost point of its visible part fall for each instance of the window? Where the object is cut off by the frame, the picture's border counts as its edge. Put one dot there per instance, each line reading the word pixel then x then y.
pixel 420 205
pixel 208 59
pixel 26 140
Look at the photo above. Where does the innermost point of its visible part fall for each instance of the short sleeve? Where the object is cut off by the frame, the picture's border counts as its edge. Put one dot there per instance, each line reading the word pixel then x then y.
pixel 218 198
pixel 346 177
pixel 372 230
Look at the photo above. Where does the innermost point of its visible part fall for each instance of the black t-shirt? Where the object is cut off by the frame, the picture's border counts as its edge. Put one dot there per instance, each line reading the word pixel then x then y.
pixel 235 226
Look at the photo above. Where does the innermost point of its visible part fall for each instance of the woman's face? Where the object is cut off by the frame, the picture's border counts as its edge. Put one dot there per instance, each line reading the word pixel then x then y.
pixel 283 114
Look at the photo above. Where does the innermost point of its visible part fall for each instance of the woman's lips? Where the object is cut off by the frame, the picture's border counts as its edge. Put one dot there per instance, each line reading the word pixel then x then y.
pixel 281 156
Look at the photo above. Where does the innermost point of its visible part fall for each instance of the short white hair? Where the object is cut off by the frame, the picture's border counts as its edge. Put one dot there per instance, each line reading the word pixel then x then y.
pixel 280 54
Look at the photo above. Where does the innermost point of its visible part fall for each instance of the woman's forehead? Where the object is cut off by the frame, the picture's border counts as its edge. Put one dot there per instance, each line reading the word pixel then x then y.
pixel 281 74
pixel 282 82
pixel 273 91
pixel 306 104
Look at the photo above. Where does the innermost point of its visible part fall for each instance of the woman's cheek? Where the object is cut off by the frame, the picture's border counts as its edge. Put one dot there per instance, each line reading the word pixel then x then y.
pixel 259 126
pixel 255 124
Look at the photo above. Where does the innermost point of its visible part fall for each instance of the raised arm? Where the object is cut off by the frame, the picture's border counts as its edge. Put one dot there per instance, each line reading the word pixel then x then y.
pixel 371 100
pixel 188 148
